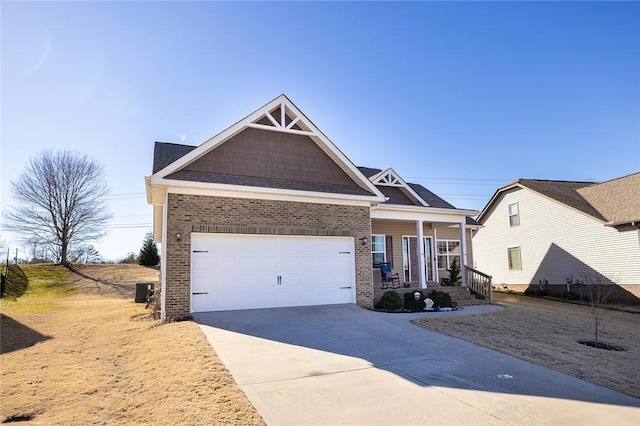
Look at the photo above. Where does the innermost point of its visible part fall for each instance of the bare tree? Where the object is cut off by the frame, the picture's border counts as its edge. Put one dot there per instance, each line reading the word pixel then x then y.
pixel 598 291
pixel 59 200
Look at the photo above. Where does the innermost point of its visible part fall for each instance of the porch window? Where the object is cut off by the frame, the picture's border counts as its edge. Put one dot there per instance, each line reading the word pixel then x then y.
pixel 378 250
pixel 514 217
pixel 515 258
pixel 447 250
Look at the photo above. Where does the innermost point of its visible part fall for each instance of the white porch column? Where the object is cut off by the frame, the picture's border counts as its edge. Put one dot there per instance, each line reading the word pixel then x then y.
pixel 422 261
pixel 436 273
pixel 463 253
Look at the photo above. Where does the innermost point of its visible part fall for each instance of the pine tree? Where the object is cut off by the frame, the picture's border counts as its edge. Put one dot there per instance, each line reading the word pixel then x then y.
pixel 149 252
pixel 454 273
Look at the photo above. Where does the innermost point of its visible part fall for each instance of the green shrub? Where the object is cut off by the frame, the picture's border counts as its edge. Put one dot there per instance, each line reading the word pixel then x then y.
pixel 390 301
pixel 412 304
pixel 16 282
pixel 441 299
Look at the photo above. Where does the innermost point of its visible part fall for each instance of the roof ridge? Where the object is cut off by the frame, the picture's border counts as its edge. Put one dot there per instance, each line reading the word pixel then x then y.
pixel 173 143
pixel 620 177
pixel 555 180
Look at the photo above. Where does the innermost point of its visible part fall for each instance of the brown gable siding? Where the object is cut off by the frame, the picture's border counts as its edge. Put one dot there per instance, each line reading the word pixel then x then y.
pixel 272 155
pixel 397 196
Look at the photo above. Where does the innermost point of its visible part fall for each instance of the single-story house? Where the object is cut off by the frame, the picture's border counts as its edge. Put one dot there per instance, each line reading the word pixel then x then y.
pixel 270 213
pixel 563 234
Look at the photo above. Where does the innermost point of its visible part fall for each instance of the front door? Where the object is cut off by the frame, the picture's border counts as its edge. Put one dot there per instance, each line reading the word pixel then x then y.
pixel 411 259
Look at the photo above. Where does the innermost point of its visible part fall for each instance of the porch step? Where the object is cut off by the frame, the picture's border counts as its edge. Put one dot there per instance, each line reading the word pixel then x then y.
pixel 461 295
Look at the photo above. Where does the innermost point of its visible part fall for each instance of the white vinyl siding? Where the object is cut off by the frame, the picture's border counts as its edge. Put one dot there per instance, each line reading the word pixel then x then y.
pixel 556 239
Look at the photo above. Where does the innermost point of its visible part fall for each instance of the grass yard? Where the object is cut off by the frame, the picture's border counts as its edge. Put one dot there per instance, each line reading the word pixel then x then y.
pixel 76 349
pixel 546 333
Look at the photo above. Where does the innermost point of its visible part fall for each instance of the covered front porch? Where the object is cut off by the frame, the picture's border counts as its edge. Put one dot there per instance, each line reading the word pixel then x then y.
pixel 420 247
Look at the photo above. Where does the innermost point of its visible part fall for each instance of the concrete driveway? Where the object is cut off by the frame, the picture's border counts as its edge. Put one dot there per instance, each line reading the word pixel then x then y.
pixel 341 364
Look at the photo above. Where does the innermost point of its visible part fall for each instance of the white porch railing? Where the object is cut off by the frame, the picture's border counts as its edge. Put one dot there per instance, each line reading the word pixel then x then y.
pixel 479 283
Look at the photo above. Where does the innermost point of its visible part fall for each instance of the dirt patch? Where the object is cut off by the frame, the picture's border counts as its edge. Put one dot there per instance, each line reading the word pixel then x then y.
pixel 92 358
pixel 547 333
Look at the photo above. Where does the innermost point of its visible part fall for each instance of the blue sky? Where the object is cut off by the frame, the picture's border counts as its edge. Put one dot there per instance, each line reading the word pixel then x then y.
pixel 460 97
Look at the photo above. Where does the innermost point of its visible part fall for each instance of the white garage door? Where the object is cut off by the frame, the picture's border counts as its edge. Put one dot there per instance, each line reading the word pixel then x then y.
pixel 230 271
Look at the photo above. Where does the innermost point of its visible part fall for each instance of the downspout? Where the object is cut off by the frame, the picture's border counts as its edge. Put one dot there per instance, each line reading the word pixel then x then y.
pixel 163 263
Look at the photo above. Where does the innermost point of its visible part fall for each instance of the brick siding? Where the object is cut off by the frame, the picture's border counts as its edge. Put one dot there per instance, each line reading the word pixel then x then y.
pixel 196 213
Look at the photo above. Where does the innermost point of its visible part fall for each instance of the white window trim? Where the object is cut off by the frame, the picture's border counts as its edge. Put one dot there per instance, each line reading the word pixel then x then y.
pixel 448 256
pixel 517 214
pixel 509 261
pixel 384 248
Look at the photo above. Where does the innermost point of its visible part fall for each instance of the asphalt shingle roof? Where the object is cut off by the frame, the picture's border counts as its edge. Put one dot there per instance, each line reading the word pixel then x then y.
pixel 198 176
pixel 429 197
pixel 165 153
pixel 565 192
pixel 618 200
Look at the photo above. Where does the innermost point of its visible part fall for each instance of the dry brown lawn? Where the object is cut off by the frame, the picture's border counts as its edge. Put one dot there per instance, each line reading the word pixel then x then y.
pixel 546 333
pixel 89 356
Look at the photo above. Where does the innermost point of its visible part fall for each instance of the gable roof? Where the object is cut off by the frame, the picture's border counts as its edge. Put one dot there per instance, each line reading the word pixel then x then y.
pixel 429 198
pixel 174 163
pixel 615 201
pixel 618 200
pixel 394 187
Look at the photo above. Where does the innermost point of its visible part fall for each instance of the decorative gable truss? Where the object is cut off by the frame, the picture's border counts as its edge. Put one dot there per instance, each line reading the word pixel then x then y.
pixel 283 119
pixel 389 177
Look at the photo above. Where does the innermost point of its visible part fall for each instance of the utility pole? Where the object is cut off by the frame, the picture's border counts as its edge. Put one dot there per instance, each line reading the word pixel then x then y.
pixel 16 255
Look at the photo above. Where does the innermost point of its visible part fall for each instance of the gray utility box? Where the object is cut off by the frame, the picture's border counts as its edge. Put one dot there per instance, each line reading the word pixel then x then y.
pixel 143 291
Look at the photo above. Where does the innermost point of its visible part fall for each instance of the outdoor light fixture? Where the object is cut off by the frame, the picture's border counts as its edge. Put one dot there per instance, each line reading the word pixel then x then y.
pixel 364 241
pixel 179 237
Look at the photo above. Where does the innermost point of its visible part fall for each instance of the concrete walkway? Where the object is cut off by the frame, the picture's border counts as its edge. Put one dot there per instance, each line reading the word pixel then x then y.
pixel 341 364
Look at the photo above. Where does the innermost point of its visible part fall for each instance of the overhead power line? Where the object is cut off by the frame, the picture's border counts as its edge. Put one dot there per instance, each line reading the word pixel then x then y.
pixel 129 225
pixel 459 179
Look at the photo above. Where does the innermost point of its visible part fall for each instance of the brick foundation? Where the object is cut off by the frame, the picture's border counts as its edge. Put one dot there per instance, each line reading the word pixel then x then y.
pixel 622 294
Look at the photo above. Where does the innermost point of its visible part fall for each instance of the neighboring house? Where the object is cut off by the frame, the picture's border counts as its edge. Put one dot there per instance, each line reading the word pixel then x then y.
pixel 270 213
pixel 553 232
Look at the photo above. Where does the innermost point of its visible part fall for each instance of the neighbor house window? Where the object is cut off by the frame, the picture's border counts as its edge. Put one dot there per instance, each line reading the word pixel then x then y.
pixel 514 217
pixel 447 251
pixel 378 250
pixel 515 259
